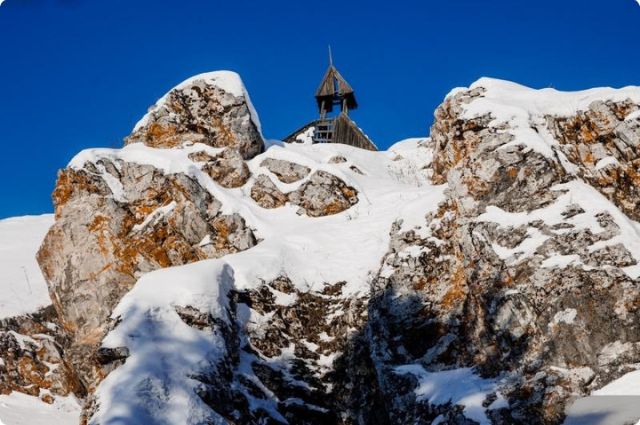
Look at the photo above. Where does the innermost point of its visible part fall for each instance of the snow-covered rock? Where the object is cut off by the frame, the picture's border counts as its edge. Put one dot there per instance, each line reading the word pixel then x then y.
pixel 528 271
pixel 488 274
pixel 212 108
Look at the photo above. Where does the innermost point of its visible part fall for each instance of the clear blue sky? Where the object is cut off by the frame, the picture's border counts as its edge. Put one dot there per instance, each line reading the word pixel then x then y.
pixel 79 73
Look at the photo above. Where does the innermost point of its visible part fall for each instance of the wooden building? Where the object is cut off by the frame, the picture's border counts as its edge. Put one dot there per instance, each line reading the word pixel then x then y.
pixel 333 95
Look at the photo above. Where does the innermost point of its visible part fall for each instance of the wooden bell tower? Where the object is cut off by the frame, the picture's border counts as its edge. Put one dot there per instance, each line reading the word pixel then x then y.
pixel 333 93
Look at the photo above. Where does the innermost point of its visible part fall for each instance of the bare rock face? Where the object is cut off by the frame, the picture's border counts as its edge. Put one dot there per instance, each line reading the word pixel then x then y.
pixel 101 243
pixel 213 109
pixel 304 356
pixel 31 358
pixel 535 304
pixel 287 172
pixel 228 168
pixel 320 195
pixel 266 194
pixel 324 194
pixel 604 142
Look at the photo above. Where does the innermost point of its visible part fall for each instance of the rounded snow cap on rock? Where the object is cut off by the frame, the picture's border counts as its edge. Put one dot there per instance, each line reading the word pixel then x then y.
pixel 212 108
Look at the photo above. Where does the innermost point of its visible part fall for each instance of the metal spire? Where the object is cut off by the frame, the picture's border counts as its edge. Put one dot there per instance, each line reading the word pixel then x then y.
pixel 330 56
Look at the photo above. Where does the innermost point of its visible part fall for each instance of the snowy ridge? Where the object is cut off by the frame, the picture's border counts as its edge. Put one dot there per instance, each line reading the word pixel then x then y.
pixel 184 330
pixel 524 109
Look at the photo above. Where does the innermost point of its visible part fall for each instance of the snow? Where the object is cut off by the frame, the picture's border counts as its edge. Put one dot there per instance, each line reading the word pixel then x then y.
pixel 21 409
pixel 634 115
pixel 22 287
pixel 228 81
pixel 306 137
pixel 605 162
pixel 524 109
pixel 163 349
pixel 456 386
pixel 353 241
pixel 615 403
pixel 560 261
pixel 312 252
pixel 628 384
pixel 155 216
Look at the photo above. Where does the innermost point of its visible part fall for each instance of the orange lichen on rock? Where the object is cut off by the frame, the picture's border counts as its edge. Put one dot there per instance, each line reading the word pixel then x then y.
pixel 457 289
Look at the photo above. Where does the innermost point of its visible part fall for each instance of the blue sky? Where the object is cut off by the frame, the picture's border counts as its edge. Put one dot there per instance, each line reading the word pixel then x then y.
pixel 79 73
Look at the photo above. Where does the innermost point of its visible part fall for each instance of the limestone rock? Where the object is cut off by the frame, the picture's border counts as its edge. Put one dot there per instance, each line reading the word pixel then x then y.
pixel 535 300
pixel 227 168
pixel 287 172
pixel 603 142
pixel 101 243
pixel 321 195
pixel 32 357
pixel 324 194
pixel 212 108
pixel 266 194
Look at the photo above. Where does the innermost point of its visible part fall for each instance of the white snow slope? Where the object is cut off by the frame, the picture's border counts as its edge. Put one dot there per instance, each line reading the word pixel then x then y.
pixel 21 409
pixel 22 286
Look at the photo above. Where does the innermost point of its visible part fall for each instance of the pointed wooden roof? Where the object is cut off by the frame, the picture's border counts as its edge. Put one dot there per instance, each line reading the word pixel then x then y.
pixel 331 81
pixel 334 89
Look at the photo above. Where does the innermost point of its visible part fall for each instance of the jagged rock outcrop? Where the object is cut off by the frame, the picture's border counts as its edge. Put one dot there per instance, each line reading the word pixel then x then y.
pixel 32 358
pixel 211 108
pixel 285 171
pixel 500 254
pixel 117 218
pixel 604 141
pixel 228 168
pixel 513 279
pixel 103 241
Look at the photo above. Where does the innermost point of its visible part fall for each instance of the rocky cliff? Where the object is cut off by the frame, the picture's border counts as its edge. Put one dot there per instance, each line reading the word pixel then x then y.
pixel 487 274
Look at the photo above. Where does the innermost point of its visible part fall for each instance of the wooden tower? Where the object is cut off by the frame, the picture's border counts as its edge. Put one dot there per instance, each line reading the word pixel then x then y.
pixel 333 93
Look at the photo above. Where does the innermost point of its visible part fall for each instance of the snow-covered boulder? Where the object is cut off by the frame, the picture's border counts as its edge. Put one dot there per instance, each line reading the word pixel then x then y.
pixel 212 108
